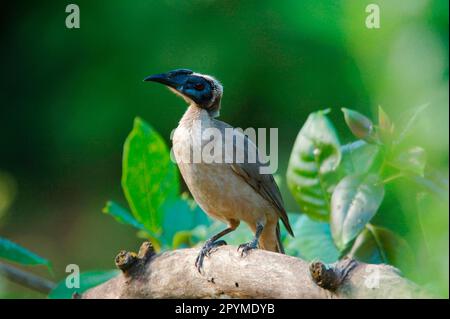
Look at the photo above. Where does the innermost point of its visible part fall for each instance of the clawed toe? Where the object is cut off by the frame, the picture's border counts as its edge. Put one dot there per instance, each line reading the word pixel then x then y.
pixel 212 247
pixel 206 251
pixel 247 247
pixel 199 261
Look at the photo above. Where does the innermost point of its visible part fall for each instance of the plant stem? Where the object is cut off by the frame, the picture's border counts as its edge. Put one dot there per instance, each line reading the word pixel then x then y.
pixel 27 279
pixel 393 177
pixel 378 242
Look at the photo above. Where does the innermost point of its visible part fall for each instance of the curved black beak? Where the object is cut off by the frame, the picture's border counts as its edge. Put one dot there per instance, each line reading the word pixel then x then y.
pixel 175 79
pixel 162 78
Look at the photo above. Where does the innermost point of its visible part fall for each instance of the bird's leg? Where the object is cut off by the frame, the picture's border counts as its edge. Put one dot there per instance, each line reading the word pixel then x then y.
pixel 245 248
pixel 210 244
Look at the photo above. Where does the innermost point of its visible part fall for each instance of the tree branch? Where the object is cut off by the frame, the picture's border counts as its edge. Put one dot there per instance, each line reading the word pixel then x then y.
pixel 261 274
pixel 26 279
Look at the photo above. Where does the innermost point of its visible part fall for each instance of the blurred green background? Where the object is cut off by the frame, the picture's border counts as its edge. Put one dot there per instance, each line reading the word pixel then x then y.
pixel 69 97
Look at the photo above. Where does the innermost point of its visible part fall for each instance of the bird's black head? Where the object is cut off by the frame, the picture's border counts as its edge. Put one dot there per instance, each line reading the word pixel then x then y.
pixel 203 90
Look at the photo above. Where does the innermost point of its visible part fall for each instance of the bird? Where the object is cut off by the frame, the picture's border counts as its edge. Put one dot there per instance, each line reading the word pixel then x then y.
pixel 229 191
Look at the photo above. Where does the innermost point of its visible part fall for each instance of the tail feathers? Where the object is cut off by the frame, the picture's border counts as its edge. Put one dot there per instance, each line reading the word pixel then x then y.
pixel 279 243
pixel 271 239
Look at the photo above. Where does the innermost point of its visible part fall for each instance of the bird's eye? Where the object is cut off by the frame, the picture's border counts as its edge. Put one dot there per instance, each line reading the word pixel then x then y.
pixel 199 86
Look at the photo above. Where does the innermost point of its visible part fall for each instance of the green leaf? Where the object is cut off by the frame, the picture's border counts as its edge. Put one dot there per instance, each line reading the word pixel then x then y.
pixel 312 240
pixel 411 161
pixel 121 215
pixel 432 185
pixel 242 234
pixel 378 245
pixel 315 155
pixel 88 280
pixel 181 215
pixel 360 125
pixel 149 177
pixel 182 237
pixel 355 201
pixel 13 252
pixel 385 125
pixel 410 123
pixel 359 157
pixel 155 240
pixel 365 249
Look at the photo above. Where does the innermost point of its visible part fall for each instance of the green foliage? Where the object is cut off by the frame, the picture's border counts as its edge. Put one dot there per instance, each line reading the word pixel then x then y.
pixel 242 234
pixel 88 280
pixel 407 126
pixel 377 245
pixel 122 216
pixel 149 177
pixel 312 240
pixel 315 155
pixel 151 186
pixel 385 126
pixel 357 185
pixel 411 161
pixel 355 201
pixel 180 217
pixel 359 157
pixel 359 125
pixel 11 251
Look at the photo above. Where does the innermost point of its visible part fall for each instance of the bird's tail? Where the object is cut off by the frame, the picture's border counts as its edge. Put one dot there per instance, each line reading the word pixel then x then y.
pixel 279 243
pixel 271 239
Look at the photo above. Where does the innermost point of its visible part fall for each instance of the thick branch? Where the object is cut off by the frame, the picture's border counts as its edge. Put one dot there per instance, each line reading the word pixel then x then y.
pixel 261 274
pixel 26 279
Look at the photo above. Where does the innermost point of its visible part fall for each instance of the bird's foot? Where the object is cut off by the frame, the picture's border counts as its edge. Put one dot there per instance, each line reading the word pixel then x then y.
pixel 206 251
pixel 247 247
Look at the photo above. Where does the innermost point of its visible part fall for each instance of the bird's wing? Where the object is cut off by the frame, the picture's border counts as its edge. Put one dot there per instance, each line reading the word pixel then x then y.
pixel 264 184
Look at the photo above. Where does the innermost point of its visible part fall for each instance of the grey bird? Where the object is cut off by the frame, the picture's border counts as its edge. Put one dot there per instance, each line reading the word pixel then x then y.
pixel 228 191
